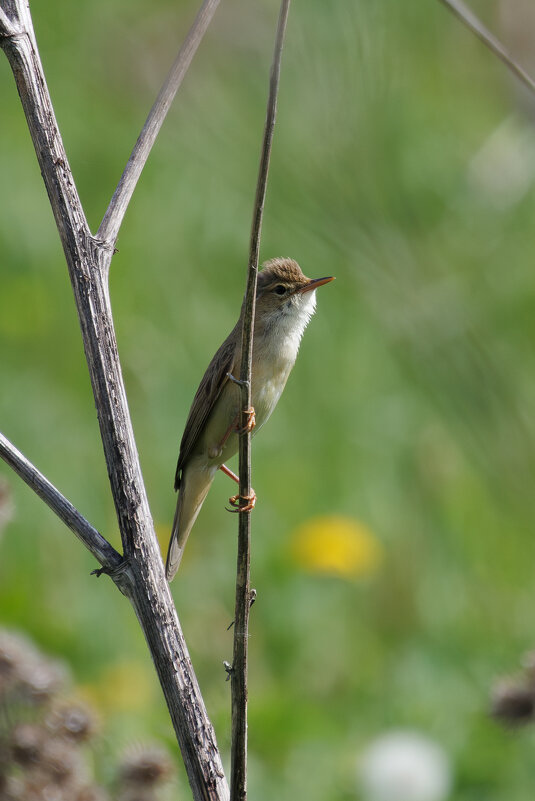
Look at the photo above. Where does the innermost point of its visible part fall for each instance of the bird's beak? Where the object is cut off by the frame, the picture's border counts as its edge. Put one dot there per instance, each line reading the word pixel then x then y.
pixel 315 283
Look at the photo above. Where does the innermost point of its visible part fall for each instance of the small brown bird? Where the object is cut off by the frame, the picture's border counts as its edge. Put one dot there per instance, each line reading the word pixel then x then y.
pixel 285 302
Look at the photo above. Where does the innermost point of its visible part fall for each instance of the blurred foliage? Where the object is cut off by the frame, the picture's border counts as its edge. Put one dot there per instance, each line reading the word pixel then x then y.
pixel 404 164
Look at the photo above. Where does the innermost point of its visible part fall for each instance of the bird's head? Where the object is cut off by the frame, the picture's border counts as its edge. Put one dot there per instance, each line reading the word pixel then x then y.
pixel 284 293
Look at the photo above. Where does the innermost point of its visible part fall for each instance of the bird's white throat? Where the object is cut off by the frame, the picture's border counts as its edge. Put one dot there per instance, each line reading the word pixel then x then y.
pixel 288 325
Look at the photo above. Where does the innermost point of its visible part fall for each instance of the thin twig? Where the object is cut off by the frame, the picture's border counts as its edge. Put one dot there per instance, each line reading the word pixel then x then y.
pixel 91 538
pixel 467 16
pixel 111 222
pixel 238 781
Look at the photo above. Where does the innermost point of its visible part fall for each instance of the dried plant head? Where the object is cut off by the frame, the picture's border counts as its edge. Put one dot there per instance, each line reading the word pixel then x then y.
pixel 26 744
pixel 26 675
pixel 63 764
pixel 48 767
pixel 146 765
pixel 92 793
pixel 16 656
pixel 43 680
pixel 513 702
pixel 71 720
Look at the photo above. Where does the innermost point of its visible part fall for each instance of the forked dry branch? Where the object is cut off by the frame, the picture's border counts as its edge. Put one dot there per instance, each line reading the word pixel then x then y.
pixel 139 574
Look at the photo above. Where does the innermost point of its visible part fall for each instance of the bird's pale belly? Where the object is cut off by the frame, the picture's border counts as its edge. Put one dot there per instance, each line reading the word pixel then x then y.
pixel 265 396
pixel 220 440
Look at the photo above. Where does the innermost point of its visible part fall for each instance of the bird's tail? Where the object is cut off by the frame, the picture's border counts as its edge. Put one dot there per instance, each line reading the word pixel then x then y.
pixel 194 487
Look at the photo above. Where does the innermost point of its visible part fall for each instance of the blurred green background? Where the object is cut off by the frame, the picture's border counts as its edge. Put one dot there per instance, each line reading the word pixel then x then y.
pixel 403 164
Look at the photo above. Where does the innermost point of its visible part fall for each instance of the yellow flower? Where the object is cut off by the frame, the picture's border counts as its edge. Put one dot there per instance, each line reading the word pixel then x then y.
pixel 337 546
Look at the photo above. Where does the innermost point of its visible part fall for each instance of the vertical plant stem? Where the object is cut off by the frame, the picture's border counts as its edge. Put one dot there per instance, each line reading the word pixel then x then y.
pixel 238 781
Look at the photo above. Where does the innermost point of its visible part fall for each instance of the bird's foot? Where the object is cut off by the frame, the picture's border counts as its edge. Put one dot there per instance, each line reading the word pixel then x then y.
pixel 250 502
pixel 251 421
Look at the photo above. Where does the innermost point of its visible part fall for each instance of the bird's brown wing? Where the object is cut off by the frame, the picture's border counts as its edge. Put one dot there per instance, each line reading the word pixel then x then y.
pixel 205 398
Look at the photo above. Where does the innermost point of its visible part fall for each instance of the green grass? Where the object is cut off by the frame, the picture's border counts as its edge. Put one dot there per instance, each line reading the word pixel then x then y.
pixel 410 408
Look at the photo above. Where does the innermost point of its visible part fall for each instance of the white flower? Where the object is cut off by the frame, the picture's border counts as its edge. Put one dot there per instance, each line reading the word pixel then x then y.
pixel 405 766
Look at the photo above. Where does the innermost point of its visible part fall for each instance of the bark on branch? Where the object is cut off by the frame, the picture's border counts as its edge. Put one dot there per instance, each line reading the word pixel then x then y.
pixel 88 260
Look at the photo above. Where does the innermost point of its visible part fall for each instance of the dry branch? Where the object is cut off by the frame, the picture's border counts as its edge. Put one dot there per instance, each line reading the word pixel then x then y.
pixel 109 227
pixel 468 18
pixel 88 259
pixel 238 782
pixel 91 538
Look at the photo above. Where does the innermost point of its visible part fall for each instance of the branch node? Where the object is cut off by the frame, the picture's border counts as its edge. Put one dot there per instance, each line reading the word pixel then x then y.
pixel 252 599
pixel 228 667
pixel 112 572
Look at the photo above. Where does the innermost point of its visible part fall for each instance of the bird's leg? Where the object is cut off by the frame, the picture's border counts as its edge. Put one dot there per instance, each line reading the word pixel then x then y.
pixel 224 469
pixel 235 500
pixel 214 452
pixel 250 500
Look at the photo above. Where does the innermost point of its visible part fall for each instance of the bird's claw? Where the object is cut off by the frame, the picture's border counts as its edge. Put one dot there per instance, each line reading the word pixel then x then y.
pixel 251 421
pixel 250 502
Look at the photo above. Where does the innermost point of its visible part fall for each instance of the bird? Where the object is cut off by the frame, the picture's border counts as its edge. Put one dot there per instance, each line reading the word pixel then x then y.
pixel 285 303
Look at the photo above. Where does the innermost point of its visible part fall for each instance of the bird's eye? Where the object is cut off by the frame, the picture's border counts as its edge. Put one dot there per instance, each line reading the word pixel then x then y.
pixel 280 289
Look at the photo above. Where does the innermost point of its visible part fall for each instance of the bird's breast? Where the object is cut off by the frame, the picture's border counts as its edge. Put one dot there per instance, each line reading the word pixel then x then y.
pixel 270 373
